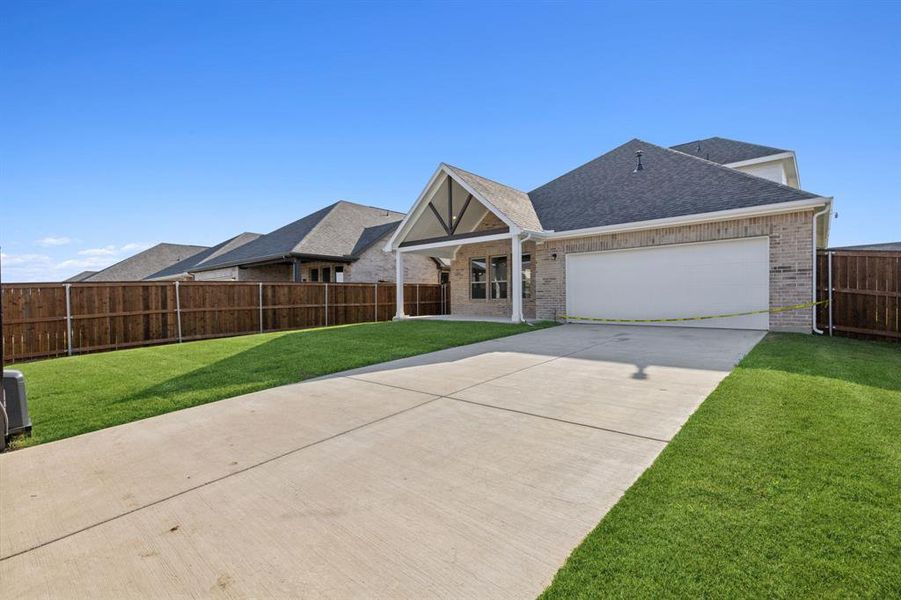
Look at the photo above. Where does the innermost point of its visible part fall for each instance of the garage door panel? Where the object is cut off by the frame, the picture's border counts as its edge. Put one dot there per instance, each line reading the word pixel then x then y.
pixel 683 280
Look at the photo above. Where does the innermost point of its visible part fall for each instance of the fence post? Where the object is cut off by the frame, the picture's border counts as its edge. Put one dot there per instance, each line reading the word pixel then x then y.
pixel 417 300
pixel 178 311
pixel 261 307
pixel 69 319
pixel 376 300
pixel 326 305
pixel 829 305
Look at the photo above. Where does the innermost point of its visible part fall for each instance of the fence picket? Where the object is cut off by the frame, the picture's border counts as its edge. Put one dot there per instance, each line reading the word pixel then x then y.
pixel 43 320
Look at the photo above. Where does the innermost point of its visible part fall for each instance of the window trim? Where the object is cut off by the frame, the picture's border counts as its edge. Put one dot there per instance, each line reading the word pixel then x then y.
pixel 484 260
pixel 491 279
pixel 523 275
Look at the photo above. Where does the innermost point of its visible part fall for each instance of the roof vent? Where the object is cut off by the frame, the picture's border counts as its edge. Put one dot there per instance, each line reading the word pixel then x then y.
pixel 638 168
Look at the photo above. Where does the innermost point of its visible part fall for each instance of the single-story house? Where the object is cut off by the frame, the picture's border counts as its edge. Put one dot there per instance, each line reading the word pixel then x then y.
pixel 342 242
pixel 882 247
pixel 145 263
pixel 79 277
pixel 710 227
pixel 181 271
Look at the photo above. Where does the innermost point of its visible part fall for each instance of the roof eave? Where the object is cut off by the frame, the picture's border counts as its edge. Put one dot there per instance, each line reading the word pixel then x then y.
pixel 734 213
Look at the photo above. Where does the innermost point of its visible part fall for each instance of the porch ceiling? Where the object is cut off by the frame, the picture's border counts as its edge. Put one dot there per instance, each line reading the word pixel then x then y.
pixel 451 210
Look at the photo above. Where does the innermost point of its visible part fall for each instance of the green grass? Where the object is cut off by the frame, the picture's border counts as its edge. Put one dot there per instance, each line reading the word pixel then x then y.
pixel 785 483
pixel 69 396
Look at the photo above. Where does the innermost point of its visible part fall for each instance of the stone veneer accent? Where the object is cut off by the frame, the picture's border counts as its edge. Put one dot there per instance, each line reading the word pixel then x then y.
pixel 791 256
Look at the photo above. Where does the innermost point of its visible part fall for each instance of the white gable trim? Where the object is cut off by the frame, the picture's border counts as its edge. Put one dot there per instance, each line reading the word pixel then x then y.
pixel 761 160
pixel 421 204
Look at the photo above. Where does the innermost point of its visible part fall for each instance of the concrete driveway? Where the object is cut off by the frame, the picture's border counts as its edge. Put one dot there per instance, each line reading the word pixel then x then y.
pixel 471 472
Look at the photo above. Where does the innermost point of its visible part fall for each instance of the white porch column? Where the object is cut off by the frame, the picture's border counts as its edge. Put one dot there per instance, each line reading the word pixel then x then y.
pixel 399 279
pixel 516 276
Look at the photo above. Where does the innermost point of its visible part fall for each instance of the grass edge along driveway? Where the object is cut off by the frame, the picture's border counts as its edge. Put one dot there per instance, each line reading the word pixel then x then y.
pixel 785 483
pixel 74 395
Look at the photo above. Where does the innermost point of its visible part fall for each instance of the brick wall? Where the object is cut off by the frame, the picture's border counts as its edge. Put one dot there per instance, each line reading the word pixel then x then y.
pixel 377 265
pixel 791 257
pixel 461 303
pixel 226 274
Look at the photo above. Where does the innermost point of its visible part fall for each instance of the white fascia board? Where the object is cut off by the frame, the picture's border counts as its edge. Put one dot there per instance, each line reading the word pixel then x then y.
pixel 426 196
pixel 416 211
pixel 722 215
pixel 761 160
pixel 459 242
pixel 497 212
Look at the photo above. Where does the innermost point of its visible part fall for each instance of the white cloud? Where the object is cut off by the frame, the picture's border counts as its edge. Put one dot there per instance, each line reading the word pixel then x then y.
pixel 17 260
pixel 54 241
pixel 113 250
pixel 105 251
pixel 42 267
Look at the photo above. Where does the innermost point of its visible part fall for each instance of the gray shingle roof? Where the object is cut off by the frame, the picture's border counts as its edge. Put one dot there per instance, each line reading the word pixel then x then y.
pixel 512 202
pixel 607 191
pixel 371 235
pixel 332 231
pixel 189 264
pixel 79 277
pixel 142 264
pixel 883 247
pixel 725 151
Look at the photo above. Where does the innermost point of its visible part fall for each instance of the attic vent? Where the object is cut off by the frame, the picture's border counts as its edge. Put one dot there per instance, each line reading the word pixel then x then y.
pixel 639 167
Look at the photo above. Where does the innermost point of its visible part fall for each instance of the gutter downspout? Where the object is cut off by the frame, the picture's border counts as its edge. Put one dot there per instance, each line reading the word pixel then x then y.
pixel 522 316
pixel 827 209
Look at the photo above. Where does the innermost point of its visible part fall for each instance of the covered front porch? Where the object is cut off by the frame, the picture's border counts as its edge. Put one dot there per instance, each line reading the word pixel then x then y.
pixel 492 257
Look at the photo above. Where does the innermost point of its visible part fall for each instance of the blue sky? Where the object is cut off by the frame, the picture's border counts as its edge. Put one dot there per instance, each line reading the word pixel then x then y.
pixel 129 123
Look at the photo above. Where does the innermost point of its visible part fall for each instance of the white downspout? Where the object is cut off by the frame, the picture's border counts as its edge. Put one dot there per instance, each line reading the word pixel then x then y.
pixel 522 316
pixel 828 209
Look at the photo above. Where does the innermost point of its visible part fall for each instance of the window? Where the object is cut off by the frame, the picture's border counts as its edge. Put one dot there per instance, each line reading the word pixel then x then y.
pixel 498 277
pixel 339 274
pixel 326 274
pixel 478 278
pixel 314 274
pixel 526 275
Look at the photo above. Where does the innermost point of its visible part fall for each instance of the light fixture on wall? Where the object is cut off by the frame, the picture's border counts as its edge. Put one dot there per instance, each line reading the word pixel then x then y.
pixel 554 256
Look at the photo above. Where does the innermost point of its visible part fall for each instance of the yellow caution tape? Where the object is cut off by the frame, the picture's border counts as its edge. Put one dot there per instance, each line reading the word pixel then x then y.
pixel 675 319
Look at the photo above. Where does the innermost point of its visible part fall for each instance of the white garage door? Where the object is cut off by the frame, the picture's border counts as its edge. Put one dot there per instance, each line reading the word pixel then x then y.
pixel 682 280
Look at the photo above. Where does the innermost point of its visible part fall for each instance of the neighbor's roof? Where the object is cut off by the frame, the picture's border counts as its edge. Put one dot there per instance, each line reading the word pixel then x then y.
pixel 142 264
pixel 883 247
pixel 725 151
pixel 608 190
pixel 79 277
pixel 513 203
pixel 189 264
pixel 333 231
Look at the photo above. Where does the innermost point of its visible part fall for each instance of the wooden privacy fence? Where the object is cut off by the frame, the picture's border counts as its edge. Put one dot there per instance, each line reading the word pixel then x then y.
pixel 52 319
pixel 865 289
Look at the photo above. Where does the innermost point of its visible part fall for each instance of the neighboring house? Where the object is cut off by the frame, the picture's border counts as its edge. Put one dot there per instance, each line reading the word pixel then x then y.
pixel 884 247
pixel 339 243
pixel 643 232
pixel 146 263
pixel 79 277
pixel 181 271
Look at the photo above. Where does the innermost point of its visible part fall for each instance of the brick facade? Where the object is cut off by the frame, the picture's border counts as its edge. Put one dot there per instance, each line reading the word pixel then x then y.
pixel 791 257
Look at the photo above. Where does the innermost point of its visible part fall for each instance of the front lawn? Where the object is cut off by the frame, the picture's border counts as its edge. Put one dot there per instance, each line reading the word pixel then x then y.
pixel 69 396
pixel 785 483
